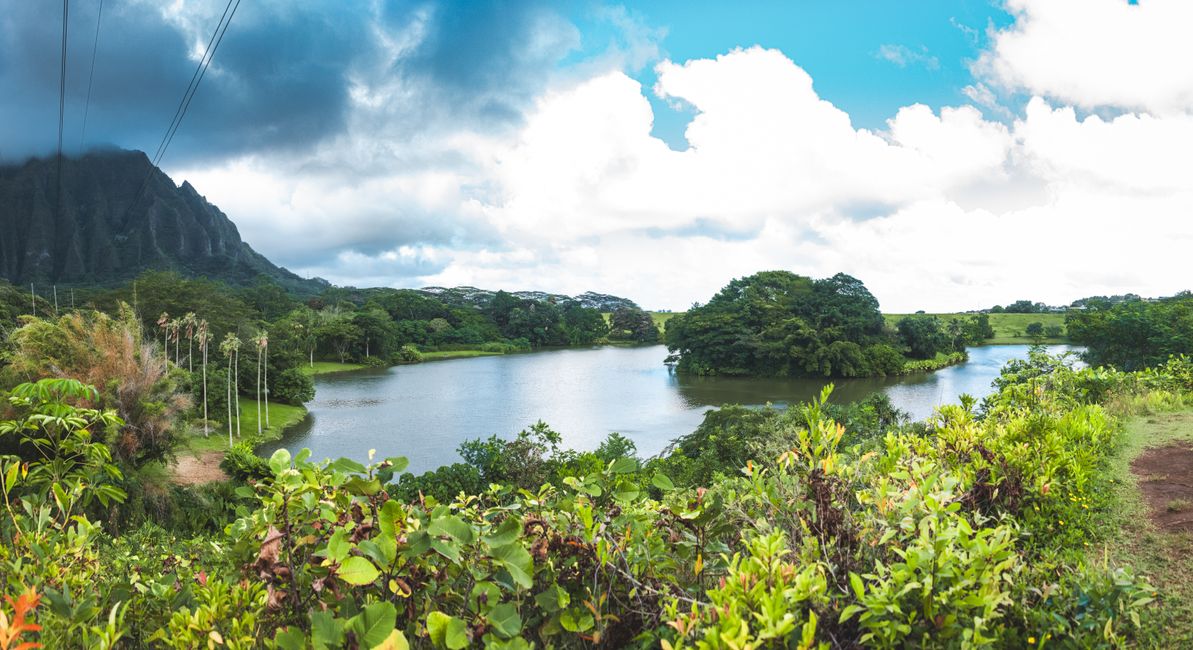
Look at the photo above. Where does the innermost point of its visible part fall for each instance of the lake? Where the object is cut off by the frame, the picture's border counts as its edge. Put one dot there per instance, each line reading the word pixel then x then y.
pixel 425 411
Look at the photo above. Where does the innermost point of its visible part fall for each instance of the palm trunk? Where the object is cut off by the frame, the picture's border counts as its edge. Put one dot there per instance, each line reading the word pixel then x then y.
pixel 228 377
pixel 190 344
pixel 266 385
pixel 236 393
pixel 206 426
pixel 258 390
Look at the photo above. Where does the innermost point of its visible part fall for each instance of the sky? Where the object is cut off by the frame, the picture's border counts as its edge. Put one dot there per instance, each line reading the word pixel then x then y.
pixel 951 155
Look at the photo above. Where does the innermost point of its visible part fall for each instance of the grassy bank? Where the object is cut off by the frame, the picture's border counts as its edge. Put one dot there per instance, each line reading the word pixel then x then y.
pixel 1009 329
pixel 328 367
pixel 1164 556
pixel 941 360
pixel 281 417
pixel 440 355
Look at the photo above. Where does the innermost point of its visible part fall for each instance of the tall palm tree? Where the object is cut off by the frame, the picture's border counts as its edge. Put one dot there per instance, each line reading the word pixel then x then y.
pixel 163 323
pixel 259 340
pixel 190 322
pixel 230 347
pixel 265 344
pixel 175 330
pixel 204 336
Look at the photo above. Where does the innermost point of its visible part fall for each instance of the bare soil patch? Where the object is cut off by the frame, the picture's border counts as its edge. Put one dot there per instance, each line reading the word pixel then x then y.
pixel 1166 480
pixel 203 467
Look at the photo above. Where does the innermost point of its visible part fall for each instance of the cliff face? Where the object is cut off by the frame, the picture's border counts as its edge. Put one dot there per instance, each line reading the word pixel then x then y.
pixel 96 234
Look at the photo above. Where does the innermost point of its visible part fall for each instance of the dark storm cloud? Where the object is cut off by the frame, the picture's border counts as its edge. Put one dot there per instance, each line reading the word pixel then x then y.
pixel 281 79
pixel 488 59
pixel 277 80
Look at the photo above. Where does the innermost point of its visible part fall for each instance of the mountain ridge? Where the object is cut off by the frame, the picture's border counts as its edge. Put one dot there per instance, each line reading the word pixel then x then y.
pixel 117 221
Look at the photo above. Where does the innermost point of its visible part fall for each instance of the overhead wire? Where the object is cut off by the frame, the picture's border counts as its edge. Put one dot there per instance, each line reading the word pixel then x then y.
pixel 193 85
pixel 91 77
pixel 213 44
pixel 62 80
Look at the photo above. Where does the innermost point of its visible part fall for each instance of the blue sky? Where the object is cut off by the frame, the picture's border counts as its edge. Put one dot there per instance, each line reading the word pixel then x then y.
pixel 841 44
pixel 951 155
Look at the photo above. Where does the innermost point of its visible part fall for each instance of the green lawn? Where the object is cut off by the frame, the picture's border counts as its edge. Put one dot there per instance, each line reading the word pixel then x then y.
pixel 1165 558
pixel 1008 328
pixel 325 367
pixel 281 416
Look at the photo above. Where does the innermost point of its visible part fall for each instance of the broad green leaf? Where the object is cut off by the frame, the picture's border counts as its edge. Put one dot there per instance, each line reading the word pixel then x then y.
pixel 347 465
pixel 484 591
pixel 395 641
pixel 623 465
pixel 662 482
pixel 381 550
pixel 400 463
pixel 452 526
pixel 326 630
pixel 279 461
pixel 291 638
pixel 363 486
pixel 506 533
pixel 505 620
pixel 357 571
pixel 552 599
pixel 517 561
pixel 447 631
pixel 338 546
pixel 373 625
pixel 447 548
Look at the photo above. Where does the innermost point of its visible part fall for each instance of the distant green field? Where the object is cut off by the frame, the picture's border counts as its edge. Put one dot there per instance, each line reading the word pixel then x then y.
pixel 661 317
pixel 1008 328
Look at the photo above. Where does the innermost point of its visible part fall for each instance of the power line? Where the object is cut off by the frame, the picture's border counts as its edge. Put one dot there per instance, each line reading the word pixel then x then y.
pixel 62 82
pixel 61 119
pixel 213 44
pixel 200 70
pixel 91 78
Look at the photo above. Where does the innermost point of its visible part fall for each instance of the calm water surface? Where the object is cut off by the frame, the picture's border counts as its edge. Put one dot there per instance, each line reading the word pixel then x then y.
pixel 425 411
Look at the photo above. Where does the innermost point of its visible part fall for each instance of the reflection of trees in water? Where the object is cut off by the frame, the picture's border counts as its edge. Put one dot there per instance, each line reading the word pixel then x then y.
pixel 715 391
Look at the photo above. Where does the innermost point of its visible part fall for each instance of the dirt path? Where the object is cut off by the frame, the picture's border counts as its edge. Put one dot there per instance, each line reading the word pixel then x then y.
pixel 1166 481
pixel 198 468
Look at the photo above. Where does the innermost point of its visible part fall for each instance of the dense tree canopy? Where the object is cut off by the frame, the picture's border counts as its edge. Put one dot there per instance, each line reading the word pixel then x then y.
pixel 779 323
pixel 630 324
pixel 1134 334
pixel 924 336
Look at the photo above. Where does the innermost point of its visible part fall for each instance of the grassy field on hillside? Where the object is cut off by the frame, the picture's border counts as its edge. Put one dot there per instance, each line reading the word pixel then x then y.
pixel 1008 328
pixel 661 317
